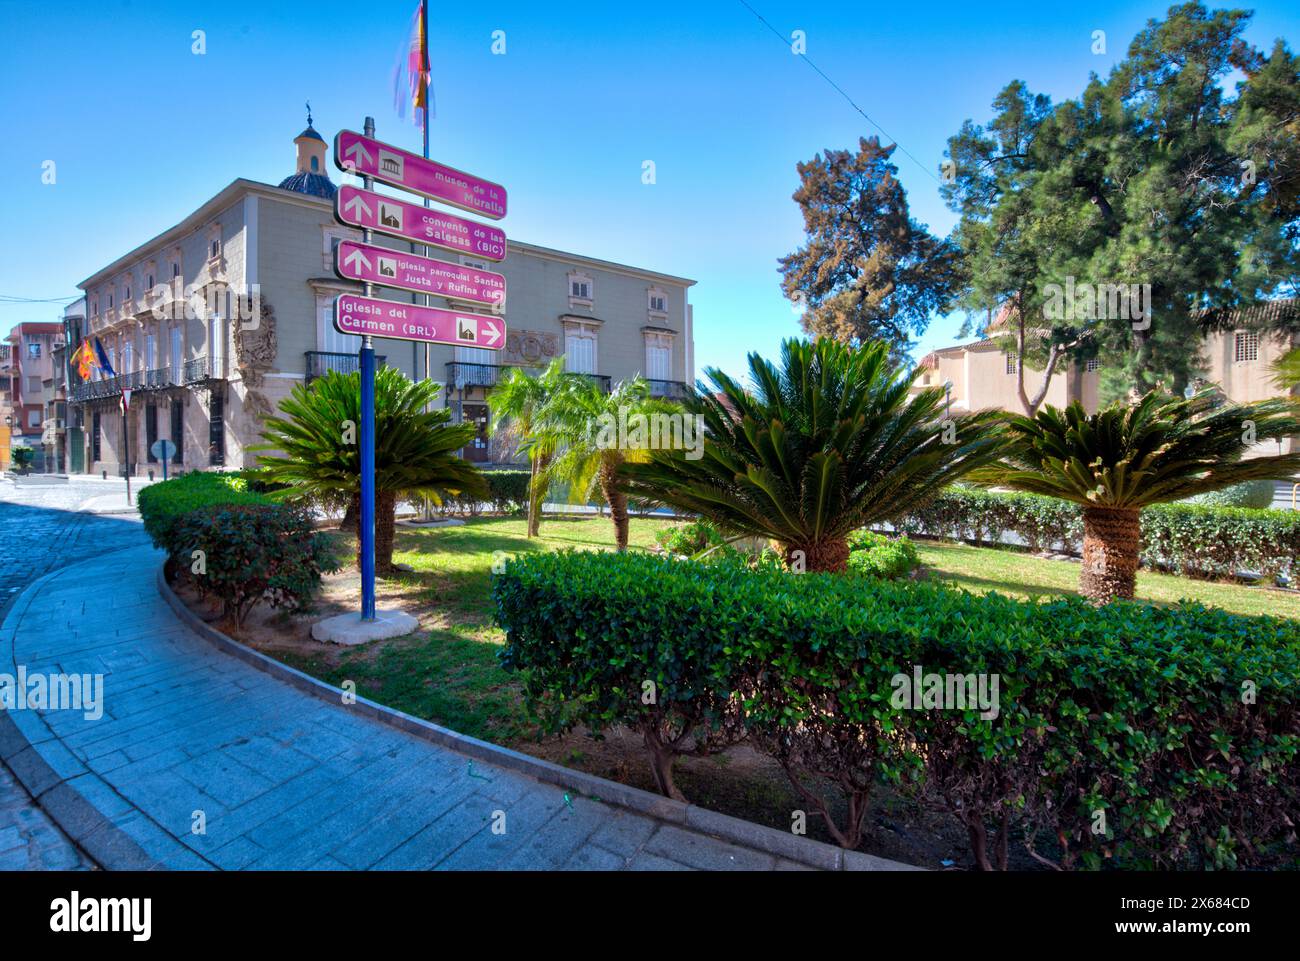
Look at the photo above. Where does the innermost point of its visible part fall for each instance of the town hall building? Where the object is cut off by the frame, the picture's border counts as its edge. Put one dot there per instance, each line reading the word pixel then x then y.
pixel 206 360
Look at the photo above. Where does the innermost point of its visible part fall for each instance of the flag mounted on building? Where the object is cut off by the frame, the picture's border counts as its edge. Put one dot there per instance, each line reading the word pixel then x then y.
pixel 411 81
pixel 84 358
pixel 101 357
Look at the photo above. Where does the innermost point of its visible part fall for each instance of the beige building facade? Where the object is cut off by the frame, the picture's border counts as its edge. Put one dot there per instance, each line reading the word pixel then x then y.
pixel 213 322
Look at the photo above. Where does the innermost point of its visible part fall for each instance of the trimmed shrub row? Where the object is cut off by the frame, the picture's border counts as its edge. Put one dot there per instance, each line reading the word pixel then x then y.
pixel 1197 539
pixel 234 544
pixel 1127 736
pixel 507 494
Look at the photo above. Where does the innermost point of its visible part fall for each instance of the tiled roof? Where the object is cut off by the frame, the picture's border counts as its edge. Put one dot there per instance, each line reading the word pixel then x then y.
pixel 315 185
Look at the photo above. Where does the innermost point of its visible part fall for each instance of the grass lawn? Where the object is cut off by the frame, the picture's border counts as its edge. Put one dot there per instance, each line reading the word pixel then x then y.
pixel 451 674
pixel 1017 574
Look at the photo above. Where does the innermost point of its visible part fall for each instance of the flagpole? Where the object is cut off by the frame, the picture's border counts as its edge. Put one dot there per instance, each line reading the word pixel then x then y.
pixel 428 300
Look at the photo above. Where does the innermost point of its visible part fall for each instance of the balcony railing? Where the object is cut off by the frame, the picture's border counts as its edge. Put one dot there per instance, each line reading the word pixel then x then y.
pixel 461 375
pixel 671 389
pixel 321 362
pixel 201 369
pixel 156 379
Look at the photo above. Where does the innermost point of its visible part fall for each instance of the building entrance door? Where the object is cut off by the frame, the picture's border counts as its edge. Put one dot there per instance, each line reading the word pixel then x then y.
pixel 477 414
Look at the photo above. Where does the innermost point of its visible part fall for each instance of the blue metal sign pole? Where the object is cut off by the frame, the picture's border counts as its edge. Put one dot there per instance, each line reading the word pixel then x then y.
pixel 367 430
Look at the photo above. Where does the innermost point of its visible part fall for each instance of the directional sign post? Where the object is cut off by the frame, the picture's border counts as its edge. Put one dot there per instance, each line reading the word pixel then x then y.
pixel 397 218
pixel 368 158
pixel 369 317
pixel 423 275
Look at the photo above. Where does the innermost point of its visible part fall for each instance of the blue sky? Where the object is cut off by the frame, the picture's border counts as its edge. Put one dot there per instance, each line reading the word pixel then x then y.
pixel 142 130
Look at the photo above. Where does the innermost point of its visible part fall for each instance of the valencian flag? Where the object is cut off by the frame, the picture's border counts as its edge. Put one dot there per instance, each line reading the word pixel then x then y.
pixel 84 358
pixel 411 75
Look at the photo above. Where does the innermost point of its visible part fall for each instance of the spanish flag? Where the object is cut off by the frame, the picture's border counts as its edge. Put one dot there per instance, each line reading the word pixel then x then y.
pixel 412 72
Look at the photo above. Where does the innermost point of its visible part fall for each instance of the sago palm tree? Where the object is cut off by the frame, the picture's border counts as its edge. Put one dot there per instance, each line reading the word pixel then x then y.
pixel 515 402
pixel 827 442
pixel 1121 459
pixel 317 439
pixel 594 436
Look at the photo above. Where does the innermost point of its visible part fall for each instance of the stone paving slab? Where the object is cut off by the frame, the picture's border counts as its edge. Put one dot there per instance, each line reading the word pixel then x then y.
pixel 281 778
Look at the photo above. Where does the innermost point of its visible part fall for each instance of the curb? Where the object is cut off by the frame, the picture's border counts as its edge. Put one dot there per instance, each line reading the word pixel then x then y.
pixel 815 854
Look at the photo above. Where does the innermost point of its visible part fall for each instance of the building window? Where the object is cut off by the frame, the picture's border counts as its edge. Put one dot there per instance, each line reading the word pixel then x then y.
pixel 33 418
pixel 150 430
pixel 178 432
pixel 150 352
pixel 331 341
pixel 176 354
pixel 216 429
pixel 581 289
pixel 176 269
pixel 1094 363
pixel 1245 347
pixel 657 301
pixel 34 349
pixel 658 355
pixel 580 350
pixel 1011 364
pixel 33 385
pixel 128 358
pixel 214 248
pixel 94 436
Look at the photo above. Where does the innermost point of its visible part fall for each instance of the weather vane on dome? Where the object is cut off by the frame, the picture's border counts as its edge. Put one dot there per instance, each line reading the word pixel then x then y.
pixel 309 113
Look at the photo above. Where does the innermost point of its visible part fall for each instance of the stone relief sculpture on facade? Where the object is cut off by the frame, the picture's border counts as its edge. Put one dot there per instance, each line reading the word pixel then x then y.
pixel 530 348
pixel 255 350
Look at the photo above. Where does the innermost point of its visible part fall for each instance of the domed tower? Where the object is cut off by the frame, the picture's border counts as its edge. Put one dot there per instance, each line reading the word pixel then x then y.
pixel 310 176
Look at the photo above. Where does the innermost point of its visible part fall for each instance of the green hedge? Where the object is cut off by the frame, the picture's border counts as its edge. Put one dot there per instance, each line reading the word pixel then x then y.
pixel 245 554
pixel 1125 736
pixel 507 494
pixel 1188 538
pixel 163 504
pixel 875 555
pixel 235 544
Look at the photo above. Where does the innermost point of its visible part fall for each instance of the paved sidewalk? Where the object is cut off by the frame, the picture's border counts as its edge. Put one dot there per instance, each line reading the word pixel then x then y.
pixel 278 779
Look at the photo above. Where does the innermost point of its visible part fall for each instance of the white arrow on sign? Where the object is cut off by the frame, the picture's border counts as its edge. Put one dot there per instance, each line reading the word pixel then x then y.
pixel 494 332
pixel 359 147
pixel 351 259
pixel 352 205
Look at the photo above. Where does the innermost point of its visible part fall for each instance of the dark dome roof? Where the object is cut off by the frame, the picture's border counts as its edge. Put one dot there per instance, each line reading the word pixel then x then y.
pixel 311 133
pixel 317 185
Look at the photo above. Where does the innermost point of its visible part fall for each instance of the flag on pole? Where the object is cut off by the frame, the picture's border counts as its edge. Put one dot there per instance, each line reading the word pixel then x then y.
pixel 411 80
pixel 102 357
pixel 85 360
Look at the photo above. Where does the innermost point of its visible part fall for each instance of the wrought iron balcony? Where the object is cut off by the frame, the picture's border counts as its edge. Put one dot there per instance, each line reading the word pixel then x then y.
pixel 670 389
pixel 461 374
pixel 157 379
pixel 321 362
pixel 201 369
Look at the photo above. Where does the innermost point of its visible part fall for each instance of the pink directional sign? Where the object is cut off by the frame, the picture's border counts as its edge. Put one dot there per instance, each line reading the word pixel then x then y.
pixel 366 209
pixel 366 156
pixel 354 314
pixel 393 268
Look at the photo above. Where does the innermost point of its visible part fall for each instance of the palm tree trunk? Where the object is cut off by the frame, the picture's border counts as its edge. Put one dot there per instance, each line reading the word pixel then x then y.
pixel 536 494
pixel 385 521
pixel 1111 539
pixel 617 501
pixel 825 555
pixel 532 495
